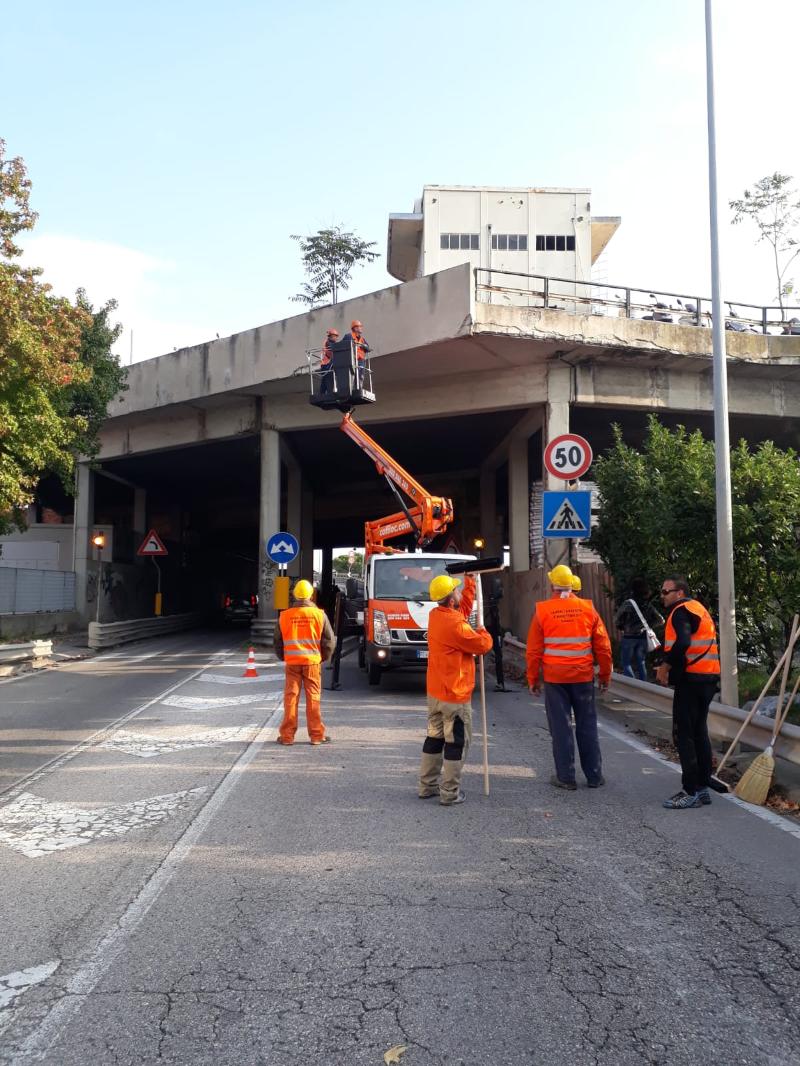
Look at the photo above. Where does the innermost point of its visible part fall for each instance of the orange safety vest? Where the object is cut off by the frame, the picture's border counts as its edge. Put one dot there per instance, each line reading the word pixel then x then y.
pixel 361 345
pixel 702 656
pixel 302 629
pixel 327 355
pixel 568 629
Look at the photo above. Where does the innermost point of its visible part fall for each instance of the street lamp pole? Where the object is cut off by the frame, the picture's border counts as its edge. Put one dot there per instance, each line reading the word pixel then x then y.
pixel 727 601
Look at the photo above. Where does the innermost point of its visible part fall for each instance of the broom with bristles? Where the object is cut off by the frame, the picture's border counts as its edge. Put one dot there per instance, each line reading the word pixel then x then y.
pixel 755 782
pixel 716 781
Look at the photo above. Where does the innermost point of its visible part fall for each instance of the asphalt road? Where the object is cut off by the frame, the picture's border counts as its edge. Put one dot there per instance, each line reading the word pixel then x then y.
pixel 187 895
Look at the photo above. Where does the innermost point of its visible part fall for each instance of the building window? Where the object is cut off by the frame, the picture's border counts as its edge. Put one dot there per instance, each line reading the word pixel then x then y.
pixel 555 243
pixel 468 242
pixel 510 242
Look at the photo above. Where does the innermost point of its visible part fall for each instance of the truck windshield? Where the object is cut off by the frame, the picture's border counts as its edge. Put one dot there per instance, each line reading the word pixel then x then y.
pixel 406 579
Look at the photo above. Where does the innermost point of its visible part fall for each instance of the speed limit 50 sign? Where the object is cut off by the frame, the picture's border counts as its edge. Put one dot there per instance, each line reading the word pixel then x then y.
pixel 568 456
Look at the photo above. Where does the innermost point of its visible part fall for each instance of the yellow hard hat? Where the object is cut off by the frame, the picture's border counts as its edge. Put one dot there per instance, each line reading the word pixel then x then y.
pixel 577 584
pixel 303 590
pixel 442 586
pixel 561 576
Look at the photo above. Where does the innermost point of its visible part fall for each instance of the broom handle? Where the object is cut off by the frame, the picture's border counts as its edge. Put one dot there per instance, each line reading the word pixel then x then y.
pixel 787 666
pixel 786 708
pixel 753 709
pixel 479 590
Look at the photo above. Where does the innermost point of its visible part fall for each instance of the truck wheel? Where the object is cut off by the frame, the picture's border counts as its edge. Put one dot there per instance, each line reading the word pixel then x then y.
pixel 374 674
pixel 362 657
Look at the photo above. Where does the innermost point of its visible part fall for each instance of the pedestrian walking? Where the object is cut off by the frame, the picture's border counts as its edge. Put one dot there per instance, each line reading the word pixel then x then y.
pixel 632 619
pixel 303 641
pixel 452 646
pixel 565 638
pixel 691 666
pixel 495 629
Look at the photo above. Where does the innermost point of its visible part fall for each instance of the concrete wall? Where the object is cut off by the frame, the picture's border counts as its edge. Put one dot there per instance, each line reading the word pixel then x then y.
pixel 17 626
pixel 395 319
pixel 42 546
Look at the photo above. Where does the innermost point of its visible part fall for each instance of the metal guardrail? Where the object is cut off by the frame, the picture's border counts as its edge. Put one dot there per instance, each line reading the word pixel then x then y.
pixel 109 634
pixel 723 721
pixel 11 654
pixel 628 301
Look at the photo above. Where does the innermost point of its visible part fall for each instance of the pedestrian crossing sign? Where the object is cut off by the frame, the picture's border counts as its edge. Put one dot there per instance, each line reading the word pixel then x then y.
pixel 567 514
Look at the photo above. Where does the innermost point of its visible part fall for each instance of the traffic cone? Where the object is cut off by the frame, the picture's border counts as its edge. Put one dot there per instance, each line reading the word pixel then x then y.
pixel 251 665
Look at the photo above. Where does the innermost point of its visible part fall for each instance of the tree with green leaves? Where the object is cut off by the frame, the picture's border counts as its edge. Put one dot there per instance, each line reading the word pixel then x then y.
pixel 773 205
pixel 658 516
pixel 54 377
pixel 341 564
pixel 329 257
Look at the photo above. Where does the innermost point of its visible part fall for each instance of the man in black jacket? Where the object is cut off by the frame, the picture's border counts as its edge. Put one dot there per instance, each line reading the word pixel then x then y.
pixel 691 665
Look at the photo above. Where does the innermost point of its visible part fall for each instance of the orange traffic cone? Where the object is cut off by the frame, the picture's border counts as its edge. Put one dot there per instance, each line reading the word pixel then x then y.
pixel 251 665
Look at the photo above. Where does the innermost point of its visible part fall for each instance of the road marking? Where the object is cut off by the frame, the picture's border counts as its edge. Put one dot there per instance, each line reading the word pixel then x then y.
pixel 147 746
pixel 764 813
pixel 37 827
pixel 14 984
pixel 91 741
pixel 107 949
pixel 222 679
pixel 210 703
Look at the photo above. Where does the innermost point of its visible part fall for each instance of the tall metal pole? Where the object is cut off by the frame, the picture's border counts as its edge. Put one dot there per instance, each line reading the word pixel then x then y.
pixel 727 600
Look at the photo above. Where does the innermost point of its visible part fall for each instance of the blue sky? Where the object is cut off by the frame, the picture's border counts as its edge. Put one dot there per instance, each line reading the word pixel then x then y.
pixel 175 146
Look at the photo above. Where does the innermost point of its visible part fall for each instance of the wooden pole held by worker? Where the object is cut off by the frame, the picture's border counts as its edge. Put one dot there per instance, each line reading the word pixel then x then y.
pixel 482 668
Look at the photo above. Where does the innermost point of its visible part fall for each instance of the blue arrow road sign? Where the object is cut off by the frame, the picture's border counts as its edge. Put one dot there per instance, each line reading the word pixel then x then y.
pixel 567 514
pixel 282 548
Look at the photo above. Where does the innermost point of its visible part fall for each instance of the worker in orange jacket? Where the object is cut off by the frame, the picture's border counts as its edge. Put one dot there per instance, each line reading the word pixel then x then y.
pixel 361 349
pixel 565 638
pixel 303 641
pixel 452 646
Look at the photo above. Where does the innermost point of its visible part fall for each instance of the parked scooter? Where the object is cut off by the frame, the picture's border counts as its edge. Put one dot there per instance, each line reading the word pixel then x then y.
pixel 661 312
pixel 690 318
pixel 734 325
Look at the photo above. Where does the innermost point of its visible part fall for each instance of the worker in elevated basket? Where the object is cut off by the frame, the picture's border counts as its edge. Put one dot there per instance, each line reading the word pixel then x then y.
pixel 452 646
pixel 303 640
pixel 565 638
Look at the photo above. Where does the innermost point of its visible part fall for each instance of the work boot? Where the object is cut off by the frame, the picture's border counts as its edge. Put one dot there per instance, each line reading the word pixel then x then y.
pixel 460 798
pixel 704 796
pixel 286 743
pixel 556 782
pixel 599 782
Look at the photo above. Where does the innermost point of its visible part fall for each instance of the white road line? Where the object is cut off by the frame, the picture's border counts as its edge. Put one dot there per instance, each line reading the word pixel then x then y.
pixel 13 985
pixel 764 813
pixel 108 948
pixel 58 761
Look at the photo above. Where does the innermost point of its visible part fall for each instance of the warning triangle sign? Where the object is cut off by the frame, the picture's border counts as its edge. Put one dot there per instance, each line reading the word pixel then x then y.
pixel 566 518
pixel 152 545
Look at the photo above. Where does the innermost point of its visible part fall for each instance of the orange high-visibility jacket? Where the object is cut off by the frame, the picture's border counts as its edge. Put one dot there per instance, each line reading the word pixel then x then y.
pixel 452 643
pixel 702 655
pixel 361 346
pixel 326 355
pixel 302 629
pixel 566 635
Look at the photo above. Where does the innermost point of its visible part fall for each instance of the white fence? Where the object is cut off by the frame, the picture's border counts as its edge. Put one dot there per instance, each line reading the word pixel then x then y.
pixel 24 591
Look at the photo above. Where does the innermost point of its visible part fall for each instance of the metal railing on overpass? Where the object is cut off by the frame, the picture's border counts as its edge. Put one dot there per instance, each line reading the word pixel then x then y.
pixel 628 301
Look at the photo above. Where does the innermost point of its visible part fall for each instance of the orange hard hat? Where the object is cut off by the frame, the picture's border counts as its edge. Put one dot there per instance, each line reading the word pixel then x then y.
pixel 332 332
pixel 355 324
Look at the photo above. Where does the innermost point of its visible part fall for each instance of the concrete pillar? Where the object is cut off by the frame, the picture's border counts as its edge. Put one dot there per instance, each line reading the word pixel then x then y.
pixel 559 393
pixel 269 519
pixel 140 513
pixel 519 504
pixel 294 511
pixel 490 527
pixel 326 578
pixel 307 533
pixel 82 532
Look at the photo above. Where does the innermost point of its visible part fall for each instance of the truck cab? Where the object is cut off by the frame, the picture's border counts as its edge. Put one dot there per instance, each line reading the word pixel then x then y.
pixel 396 610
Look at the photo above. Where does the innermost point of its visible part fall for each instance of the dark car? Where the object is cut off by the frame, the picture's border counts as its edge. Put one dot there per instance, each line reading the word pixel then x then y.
pixel 239 609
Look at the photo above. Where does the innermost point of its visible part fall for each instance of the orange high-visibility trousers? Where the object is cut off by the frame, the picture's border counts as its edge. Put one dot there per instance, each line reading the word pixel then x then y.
pixel 309 678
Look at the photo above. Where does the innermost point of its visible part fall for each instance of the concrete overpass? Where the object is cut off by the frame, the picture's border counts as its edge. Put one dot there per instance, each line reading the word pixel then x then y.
pixel 222 435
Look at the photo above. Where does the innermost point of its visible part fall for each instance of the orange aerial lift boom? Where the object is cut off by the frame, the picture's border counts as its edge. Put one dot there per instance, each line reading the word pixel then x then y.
pixel 425 516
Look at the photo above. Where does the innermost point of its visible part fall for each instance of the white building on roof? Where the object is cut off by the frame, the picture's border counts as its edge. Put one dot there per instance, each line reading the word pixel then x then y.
pixel 543 231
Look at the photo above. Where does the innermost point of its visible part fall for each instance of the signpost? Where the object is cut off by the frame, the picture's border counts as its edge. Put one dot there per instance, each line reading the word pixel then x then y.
pixel 282 548
pixel 151 547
